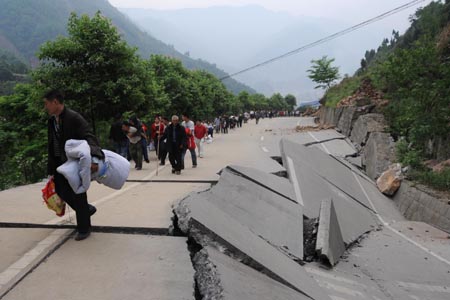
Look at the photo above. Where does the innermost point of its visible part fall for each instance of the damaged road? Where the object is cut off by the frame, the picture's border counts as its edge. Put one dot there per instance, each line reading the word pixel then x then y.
pixel 319 230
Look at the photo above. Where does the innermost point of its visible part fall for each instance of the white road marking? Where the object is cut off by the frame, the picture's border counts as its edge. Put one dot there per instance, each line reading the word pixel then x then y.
pixel 317 140
pixel 386 224
pixel 265 149
pixel 341 289
pixel 333 277
pixel 262 138
pixel 298 194
pixel 425 287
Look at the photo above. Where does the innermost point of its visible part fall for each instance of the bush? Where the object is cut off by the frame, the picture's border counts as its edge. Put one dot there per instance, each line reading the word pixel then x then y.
pixel 439 181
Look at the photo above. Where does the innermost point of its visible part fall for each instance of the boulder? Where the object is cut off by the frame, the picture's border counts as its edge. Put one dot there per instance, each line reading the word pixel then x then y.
pixel 365 125
pixel 389 182
pixel 379 153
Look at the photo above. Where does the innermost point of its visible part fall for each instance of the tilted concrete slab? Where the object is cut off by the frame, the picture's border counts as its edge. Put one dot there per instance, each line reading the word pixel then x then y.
pixel 272 182
pixel 222 277
pixel 338 147
pixel 327 167
pixel 267 214
pixel 112 266
pixel 330 244
pixel 209 225
pixel 354 217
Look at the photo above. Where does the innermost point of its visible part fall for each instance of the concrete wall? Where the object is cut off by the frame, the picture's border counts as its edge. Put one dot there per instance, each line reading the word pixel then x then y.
pixel 419 205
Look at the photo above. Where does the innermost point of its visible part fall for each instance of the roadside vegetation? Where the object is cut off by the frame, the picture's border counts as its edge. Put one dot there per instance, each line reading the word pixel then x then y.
pixel 413 73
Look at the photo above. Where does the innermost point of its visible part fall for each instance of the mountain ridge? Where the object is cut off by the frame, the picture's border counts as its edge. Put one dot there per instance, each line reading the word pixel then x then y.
pixel 39 22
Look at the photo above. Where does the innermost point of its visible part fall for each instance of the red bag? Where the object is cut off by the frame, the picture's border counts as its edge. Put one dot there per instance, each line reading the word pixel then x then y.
pixel 52 199
pixel 190 139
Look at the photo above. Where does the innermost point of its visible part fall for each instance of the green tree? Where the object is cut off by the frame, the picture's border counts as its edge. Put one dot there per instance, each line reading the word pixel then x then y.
pixel 100 74
pixel 323 73
pixel 291 101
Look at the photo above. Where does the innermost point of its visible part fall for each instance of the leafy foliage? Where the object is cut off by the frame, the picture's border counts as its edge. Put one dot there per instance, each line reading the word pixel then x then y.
pixel 323 73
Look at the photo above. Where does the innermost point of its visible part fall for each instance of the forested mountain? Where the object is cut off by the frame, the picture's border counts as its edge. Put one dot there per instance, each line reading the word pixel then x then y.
pixel 26 24
pixel 12 71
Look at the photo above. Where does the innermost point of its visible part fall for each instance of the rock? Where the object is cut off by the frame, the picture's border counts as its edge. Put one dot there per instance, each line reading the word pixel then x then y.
pixel 365 125
pixel 378 154
pixel 389 182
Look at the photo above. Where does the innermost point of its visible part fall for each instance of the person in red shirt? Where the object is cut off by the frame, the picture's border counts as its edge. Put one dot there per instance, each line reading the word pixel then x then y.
pixel 200 133
pixel 157 130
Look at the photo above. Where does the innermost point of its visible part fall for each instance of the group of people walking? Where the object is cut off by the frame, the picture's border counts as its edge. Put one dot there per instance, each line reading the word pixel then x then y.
pixel 172 138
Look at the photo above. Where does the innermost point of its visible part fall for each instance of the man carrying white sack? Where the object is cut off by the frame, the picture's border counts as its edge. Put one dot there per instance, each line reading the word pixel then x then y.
pixel 65 124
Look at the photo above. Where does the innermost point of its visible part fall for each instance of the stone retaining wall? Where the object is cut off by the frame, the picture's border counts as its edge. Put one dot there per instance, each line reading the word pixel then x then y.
pixel 418 205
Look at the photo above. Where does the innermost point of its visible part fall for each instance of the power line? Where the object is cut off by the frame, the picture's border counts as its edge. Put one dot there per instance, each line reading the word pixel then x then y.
pixel 328 38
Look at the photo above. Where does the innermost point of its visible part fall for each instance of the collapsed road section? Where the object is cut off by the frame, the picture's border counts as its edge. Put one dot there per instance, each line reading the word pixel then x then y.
pixel 251 224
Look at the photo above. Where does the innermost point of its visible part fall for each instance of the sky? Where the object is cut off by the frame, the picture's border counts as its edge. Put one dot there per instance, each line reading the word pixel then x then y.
pixel 349 10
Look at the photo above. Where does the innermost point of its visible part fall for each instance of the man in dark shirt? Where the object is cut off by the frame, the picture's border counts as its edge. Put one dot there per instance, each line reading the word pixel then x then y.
pixel 175 136
pixel 118 137
pixel 65 124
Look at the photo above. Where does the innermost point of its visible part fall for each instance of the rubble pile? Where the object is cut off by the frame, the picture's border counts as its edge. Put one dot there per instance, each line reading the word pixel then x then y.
pixel 365 95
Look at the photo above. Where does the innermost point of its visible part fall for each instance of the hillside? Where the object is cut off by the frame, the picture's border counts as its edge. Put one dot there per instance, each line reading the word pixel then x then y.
pixel 43 20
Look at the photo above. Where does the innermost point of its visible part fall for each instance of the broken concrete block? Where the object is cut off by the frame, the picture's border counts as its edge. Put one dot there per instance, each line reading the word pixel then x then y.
pixel 220 277
pixel 349 116
pixel 379 153
pixel 389 182
pixel 330 115
pixel 330 244
pixel 365 125
pixel 207 224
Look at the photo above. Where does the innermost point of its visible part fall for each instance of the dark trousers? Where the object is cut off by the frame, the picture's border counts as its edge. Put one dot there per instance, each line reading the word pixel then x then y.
pixel 136 153
pixel 78 202
pixel 175 159
pixel 162 152
pixel 144 149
